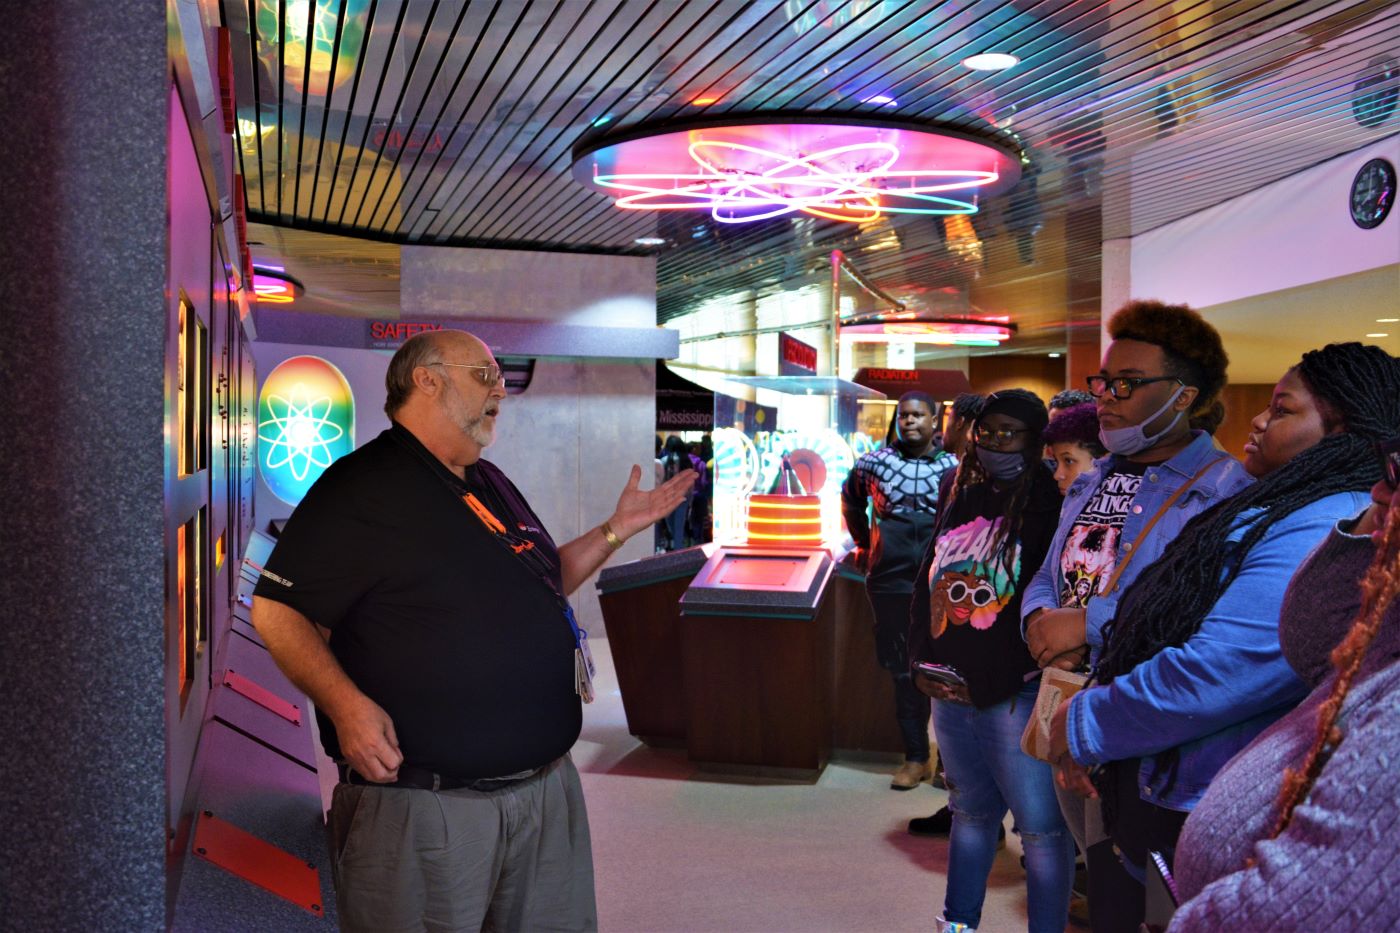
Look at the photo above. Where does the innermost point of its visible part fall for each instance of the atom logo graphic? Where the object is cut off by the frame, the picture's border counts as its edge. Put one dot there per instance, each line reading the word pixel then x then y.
pixel 299 432
pixel 740 182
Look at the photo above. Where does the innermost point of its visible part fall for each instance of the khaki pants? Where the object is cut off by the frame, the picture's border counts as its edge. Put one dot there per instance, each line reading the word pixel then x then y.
pixel 513 859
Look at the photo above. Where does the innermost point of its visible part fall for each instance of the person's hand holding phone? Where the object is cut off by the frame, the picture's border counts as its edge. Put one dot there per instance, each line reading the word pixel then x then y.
pixel 940 682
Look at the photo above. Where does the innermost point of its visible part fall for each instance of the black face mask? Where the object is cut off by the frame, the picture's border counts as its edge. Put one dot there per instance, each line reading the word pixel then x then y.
pixel 1001 465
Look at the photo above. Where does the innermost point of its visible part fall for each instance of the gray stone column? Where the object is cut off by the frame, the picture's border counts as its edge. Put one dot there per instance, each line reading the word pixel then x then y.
pixel 82 308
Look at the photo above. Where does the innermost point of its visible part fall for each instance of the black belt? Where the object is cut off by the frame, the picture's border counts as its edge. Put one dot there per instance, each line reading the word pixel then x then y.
pixel 423 779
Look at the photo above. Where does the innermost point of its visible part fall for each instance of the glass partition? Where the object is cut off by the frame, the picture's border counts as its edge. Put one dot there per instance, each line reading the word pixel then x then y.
pixel 790 441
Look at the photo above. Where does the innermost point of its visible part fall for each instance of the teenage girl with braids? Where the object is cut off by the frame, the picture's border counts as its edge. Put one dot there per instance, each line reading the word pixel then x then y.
pixel 989 539
pixel 1317 852
pixel 1192 669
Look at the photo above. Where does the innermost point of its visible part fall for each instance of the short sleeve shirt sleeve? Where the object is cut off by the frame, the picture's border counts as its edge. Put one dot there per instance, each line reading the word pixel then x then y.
pixel 323 562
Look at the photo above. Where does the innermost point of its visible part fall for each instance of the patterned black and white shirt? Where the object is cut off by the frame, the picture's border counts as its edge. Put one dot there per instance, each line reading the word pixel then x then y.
pixel 904 492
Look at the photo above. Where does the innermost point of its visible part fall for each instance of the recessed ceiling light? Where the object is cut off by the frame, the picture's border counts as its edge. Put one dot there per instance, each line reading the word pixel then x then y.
pixel 604 119
pixel 1377 335
pixel 882 99
pixel 1054 356
pixel 705 101
pixel 990 61
pixel 1387 320
pixel 650 241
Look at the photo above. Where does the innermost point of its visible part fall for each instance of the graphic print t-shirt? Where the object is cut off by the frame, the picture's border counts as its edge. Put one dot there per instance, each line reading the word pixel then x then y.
pixel 1091 549
pixel 967 605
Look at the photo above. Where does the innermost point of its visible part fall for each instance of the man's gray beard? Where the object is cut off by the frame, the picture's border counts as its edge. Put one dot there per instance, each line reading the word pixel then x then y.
pixel 481 433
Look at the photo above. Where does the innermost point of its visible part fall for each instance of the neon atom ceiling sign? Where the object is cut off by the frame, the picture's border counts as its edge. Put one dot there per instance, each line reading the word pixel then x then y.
pixel 756 171
pixel 306 421
pixel 921 327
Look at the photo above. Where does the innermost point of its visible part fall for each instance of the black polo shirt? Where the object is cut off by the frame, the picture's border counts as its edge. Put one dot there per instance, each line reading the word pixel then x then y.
pixel 434 618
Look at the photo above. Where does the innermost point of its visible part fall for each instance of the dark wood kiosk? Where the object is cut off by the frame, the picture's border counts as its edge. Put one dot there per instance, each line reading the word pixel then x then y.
pixel 756 643
pixel 757 660
pixel 641 608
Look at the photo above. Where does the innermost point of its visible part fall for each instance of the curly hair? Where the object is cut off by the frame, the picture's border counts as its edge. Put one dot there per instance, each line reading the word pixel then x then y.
pixel 1078 424
pixel 1192 348
pixel 1062 401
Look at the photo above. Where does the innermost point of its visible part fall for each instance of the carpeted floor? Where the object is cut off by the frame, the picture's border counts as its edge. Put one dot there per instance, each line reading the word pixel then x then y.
pixel 679 850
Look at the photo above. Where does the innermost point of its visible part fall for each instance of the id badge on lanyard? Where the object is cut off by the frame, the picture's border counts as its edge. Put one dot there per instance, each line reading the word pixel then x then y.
pixel 584 670
pixel 583 658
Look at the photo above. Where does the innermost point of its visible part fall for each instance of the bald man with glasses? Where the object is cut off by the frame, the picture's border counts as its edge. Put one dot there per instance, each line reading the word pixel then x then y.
pixel 421 604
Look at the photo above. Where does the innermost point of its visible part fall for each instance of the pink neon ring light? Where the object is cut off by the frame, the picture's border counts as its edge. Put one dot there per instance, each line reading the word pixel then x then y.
pixel 763 167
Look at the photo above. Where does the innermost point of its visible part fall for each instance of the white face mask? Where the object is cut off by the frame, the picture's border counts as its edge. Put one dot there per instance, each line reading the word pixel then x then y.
pixel 1131 440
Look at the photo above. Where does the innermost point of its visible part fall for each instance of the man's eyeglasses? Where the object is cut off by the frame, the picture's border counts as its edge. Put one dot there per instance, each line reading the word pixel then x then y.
pixel 999 436
pixel 1122 387
pixel 1389 452
pixel 488 373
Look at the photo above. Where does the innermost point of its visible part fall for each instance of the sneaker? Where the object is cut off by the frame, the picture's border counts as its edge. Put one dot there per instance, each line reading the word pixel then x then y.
pixel 911 774
pixel 941 823
pixel 951 926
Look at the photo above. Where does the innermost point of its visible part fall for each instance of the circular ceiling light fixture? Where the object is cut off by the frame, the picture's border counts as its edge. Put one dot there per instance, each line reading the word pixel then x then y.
pixel 273 285
pixel 926 327
pixel 755 168
pixel 650 241
pixel 990 61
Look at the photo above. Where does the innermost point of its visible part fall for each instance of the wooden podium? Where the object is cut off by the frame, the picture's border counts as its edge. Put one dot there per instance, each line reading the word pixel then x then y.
pixel 758 661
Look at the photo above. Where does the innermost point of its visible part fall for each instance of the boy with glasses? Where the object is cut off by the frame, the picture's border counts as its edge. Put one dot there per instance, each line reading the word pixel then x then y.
pixel 1164 369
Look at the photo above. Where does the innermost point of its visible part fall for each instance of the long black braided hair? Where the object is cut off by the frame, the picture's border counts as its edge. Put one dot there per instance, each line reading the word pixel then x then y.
pixel 1358 388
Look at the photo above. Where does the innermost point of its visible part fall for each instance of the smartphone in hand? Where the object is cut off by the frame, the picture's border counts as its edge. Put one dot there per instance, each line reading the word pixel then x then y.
pixel 941 673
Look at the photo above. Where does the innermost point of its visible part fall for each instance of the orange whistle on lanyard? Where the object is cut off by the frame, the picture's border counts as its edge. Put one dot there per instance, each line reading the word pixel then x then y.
pixel 483 513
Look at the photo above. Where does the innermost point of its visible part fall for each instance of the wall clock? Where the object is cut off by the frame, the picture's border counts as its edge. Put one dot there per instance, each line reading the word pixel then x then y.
pixel 1372 193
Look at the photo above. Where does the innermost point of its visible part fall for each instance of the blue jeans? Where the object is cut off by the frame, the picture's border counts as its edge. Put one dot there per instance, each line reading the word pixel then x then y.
pixel 988 772
pixel 675 525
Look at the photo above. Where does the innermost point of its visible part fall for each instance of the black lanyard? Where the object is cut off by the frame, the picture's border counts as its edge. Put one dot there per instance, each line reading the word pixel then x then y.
pixel 523 548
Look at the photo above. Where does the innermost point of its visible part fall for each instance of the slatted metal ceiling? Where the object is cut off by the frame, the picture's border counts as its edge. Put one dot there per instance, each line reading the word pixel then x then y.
pixel 452 123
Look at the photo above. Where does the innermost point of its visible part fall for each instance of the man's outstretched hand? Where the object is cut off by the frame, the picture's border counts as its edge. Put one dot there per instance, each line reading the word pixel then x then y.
pixel 638 509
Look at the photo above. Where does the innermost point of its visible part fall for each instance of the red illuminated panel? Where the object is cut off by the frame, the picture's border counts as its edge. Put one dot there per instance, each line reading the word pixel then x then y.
pixel 784 521
pixel 755 570
pixel 262 696
pixel 258 862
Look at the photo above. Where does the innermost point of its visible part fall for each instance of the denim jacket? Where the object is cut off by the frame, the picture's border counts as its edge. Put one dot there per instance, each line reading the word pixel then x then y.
pixel 1210 697
pixel 1158 485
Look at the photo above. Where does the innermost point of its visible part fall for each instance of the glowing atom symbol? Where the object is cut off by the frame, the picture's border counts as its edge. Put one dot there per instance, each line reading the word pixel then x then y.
pixel 305 422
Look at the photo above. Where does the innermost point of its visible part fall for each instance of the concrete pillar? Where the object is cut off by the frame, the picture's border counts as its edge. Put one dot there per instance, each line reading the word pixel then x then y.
pixel 83 97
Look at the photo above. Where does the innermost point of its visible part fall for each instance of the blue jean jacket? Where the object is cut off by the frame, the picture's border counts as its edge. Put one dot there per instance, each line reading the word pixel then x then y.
pixel 1158 484
pixel 1210 697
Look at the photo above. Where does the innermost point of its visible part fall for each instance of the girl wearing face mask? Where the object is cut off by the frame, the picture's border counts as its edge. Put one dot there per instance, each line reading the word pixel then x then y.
pixel 1192 668
pixel 965 632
